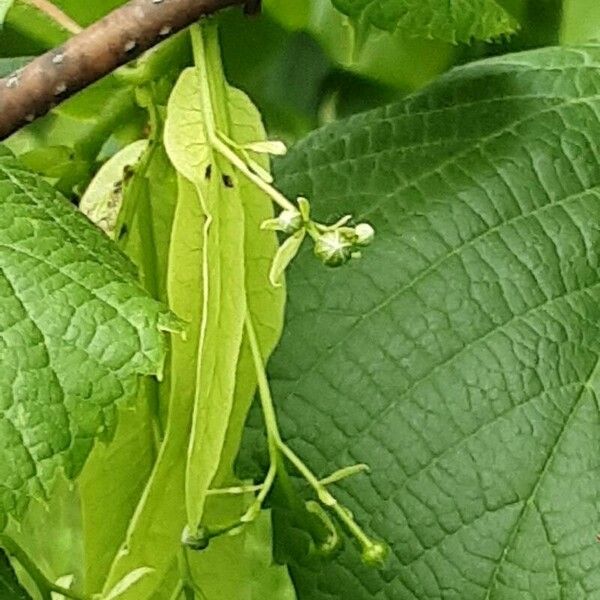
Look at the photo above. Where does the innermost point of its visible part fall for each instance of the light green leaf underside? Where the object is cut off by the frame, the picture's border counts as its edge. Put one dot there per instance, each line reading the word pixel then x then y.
pixel 450 20
pixel 459 357
pixel 139 496
pixel 223 301
pixel 160 516
pixel 580 21
pixel 76 330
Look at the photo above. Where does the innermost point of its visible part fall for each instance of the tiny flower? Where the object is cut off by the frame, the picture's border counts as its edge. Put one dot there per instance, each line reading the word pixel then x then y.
pixel 197 541
pixel 364 234
pixel 333 248
pixel 374 554
pixel 289 221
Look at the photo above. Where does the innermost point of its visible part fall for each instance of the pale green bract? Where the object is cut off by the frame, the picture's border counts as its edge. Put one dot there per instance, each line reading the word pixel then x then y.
pixel 459 357
pixel 450 20
pixel 239 257
pixel 76 332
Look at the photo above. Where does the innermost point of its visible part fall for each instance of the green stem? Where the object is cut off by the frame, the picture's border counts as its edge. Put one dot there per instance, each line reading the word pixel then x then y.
pixel 44 585
pixel 237 162
pixel 327 499
pixel 276 446
pixel 266 400
pixel 344 473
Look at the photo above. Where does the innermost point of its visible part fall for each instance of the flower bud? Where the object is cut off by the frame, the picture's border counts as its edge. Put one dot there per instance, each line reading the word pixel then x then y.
pixel 375 554
pixel 289 221
pixel 333 248
pixel 364 234
pixel 197 541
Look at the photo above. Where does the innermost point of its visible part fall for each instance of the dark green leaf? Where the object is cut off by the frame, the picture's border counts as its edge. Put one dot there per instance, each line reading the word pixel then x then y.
pixel 460 356
pixel 10 588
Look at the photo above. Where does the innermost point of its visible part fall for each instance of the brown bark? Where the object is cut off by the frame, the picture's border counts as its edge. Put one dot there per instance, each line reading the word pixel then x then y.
pixel 97 51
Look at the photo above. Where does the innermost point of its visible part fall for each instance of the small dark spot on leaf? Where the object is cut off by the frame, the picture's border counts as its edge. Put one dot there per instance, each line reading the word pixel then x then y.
pixel 208 172
pixel 123 231
pixel 227 181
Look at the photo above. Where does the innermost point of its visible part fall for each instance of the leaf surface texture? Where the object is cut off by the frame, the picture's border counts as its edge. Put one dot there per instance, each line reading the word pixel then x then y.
pixel 76 331
pixel 459 357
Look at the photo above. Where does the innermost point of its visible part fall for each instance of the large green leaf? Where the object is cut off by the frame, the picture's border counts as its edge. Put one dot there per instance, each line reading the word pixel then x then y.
pixel 451 20
pixel 459 357
pixel 76 332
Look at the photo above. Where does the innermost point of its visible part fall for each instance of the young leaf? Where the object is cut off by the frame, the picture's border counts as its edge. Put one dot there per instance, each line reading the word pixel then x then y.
pixel 460 357
pixel 76 329
pixel 143 490
pixel 160 517
pixel 451 20
pixel 10 588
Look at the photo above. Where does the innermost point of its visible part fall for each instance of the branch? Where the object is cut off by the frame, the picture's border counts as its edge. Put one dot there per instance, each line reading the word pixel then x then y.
pixel 95 52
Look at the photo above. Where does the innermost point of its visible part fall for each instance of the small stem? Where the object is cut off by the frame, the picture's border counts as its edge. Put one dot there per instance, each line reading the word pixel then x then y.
pixel 56 15
pixel 177 591
pixel 203 69
pixel 235 491
pixel 276 446
pixel 255 507
pixel 335 477
pixel 344 473
pixel 326 498
pixel 266 400
pixel 44 585
pixel 234 159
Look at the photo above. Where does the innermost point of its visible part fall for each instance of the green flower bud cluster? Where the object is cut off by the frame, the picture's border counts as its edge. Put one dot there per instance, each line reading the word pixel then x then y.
pixel 337 246
pixel 334 245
